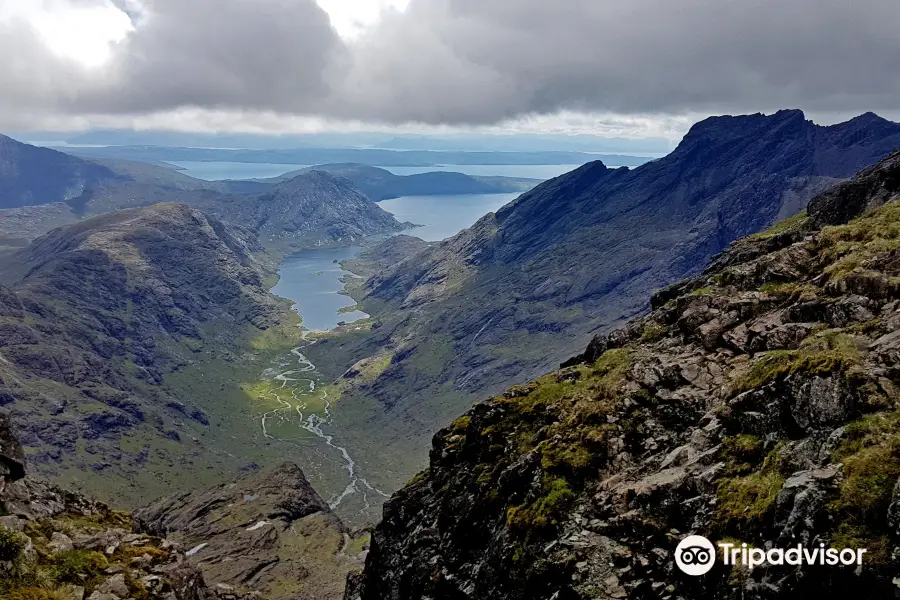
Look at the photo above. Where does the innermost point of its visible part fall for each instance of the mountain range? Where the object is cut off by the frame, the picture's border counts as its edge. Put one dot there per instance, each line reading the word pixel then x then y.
pixel 46 189
pixel 517 293
pixel 756 405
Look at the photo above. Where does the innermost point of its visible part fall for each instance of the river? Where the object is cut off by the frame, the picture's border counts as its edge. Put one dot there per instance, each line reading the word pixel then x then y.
pixel 298 408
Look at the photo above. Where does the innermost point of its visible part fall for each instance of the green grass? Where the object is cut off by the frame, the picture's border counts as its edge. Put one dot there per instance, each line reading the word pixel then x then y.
pixel 818 355
pixel 794 223
pixel 744 504
pixel 852 246
pixel 653 332
pixel 545 511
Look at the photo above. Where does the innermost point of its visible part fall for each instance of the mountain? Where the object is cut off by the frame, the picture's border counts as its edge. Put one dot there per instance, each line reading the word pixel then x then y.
pixel 310 208
pixel 755 404
pixel 522 289
pixel 269 532
pixel 126 344
pixel 30 175
pixel 381 184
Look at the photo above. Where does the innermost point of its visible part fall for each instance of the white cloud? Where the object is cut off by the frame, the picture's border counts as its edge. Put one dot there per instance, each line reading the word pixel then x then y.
pixel 80 31
pixel 352 18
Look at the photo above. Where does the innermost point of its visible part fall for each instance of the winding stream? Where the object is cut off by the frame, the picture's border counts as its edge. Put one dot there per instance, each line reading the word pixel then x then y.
pixel 301 383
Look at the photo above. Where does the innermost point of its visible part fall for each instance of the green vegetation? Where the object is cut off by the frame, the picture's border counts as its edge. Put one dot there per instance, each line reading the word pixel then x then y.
pixel 543 512
pixel 741 454
pixel 11 544
pixel 822 354
pixel 744 503
pixel 653 332
pixel 794 223
pixel 570 410
pixel 78 567
pixel 797 292
pixel 870 453
pixel 852 246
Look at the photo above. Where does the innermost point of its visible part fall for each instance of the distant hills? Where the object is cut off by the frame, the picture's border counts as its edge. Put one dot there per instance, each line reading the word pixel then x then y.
pixel 366 156
pixel 47 189
pixel 464 142
pixel 30 175
pixel 381 184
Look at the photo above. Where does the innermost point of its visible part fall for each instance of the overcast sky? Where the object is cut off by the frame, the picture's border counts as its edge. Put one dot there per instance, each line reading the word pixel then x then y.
pixel 635 68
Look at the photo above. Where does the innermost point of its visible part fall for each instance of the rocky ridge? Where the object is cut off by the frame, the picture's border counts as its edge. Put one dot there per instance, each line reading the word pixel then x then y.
pixel 523 289
pixel 58 545
pixel 757 402
pixel 269 532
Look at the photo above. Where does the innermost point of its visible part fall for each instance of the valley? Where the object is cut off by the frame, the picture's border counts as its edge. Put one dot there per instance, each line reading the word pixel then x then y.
pixel 174 333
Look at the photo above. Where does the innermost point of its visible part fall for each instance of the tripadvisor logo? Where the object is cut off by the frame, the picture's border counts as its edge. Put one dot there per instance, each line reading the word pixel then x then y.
pixel 696 555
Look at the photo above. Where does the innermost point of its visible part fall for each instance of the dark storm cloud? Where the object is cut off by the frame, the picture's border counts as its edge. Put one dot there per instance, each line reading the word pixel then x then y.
pixel 477 61
pixel 265 54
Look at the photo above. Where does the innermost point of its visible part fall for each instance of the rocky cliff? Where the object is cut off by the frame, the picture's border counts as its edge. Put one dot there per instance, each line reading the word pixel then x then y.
pixel 525 288
pixel 269 532
pixel 756 403
pixel 58 545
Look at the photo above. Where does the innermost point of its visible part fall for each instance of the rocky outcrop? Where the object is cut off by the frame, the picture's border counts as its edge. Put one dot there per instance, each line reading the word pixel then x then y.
pixel 268 532
pixel 757 403
pixel 57 544
pixel 12 458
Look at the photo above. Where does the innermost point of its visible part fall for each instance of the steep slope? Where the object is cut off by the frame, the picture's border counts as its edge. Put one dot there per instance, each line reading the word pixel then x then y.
pixel 30 175
pixel 123 343
pixel 381 184
pixel 58 544
pixel 756 404
pixel 269 532
pixel 522 289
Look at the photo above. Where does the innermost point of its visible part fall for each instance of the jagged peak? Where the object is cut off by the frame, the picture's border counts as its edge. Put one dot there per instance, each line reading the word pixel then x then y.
pixel 728 127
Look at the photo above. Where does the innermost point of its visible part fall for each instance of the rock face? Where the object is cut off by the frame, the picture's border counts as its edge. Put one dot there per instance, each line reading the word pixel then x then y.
pixel 525 288
pixel 56 544
pixel 756 403
pixel 100 315
pixel 30 175
pixel 269 532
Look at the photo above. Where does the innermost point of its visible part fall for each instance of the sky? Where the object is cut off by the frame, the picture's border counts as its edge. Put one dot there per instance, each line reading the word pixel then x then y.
pixel 641 68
